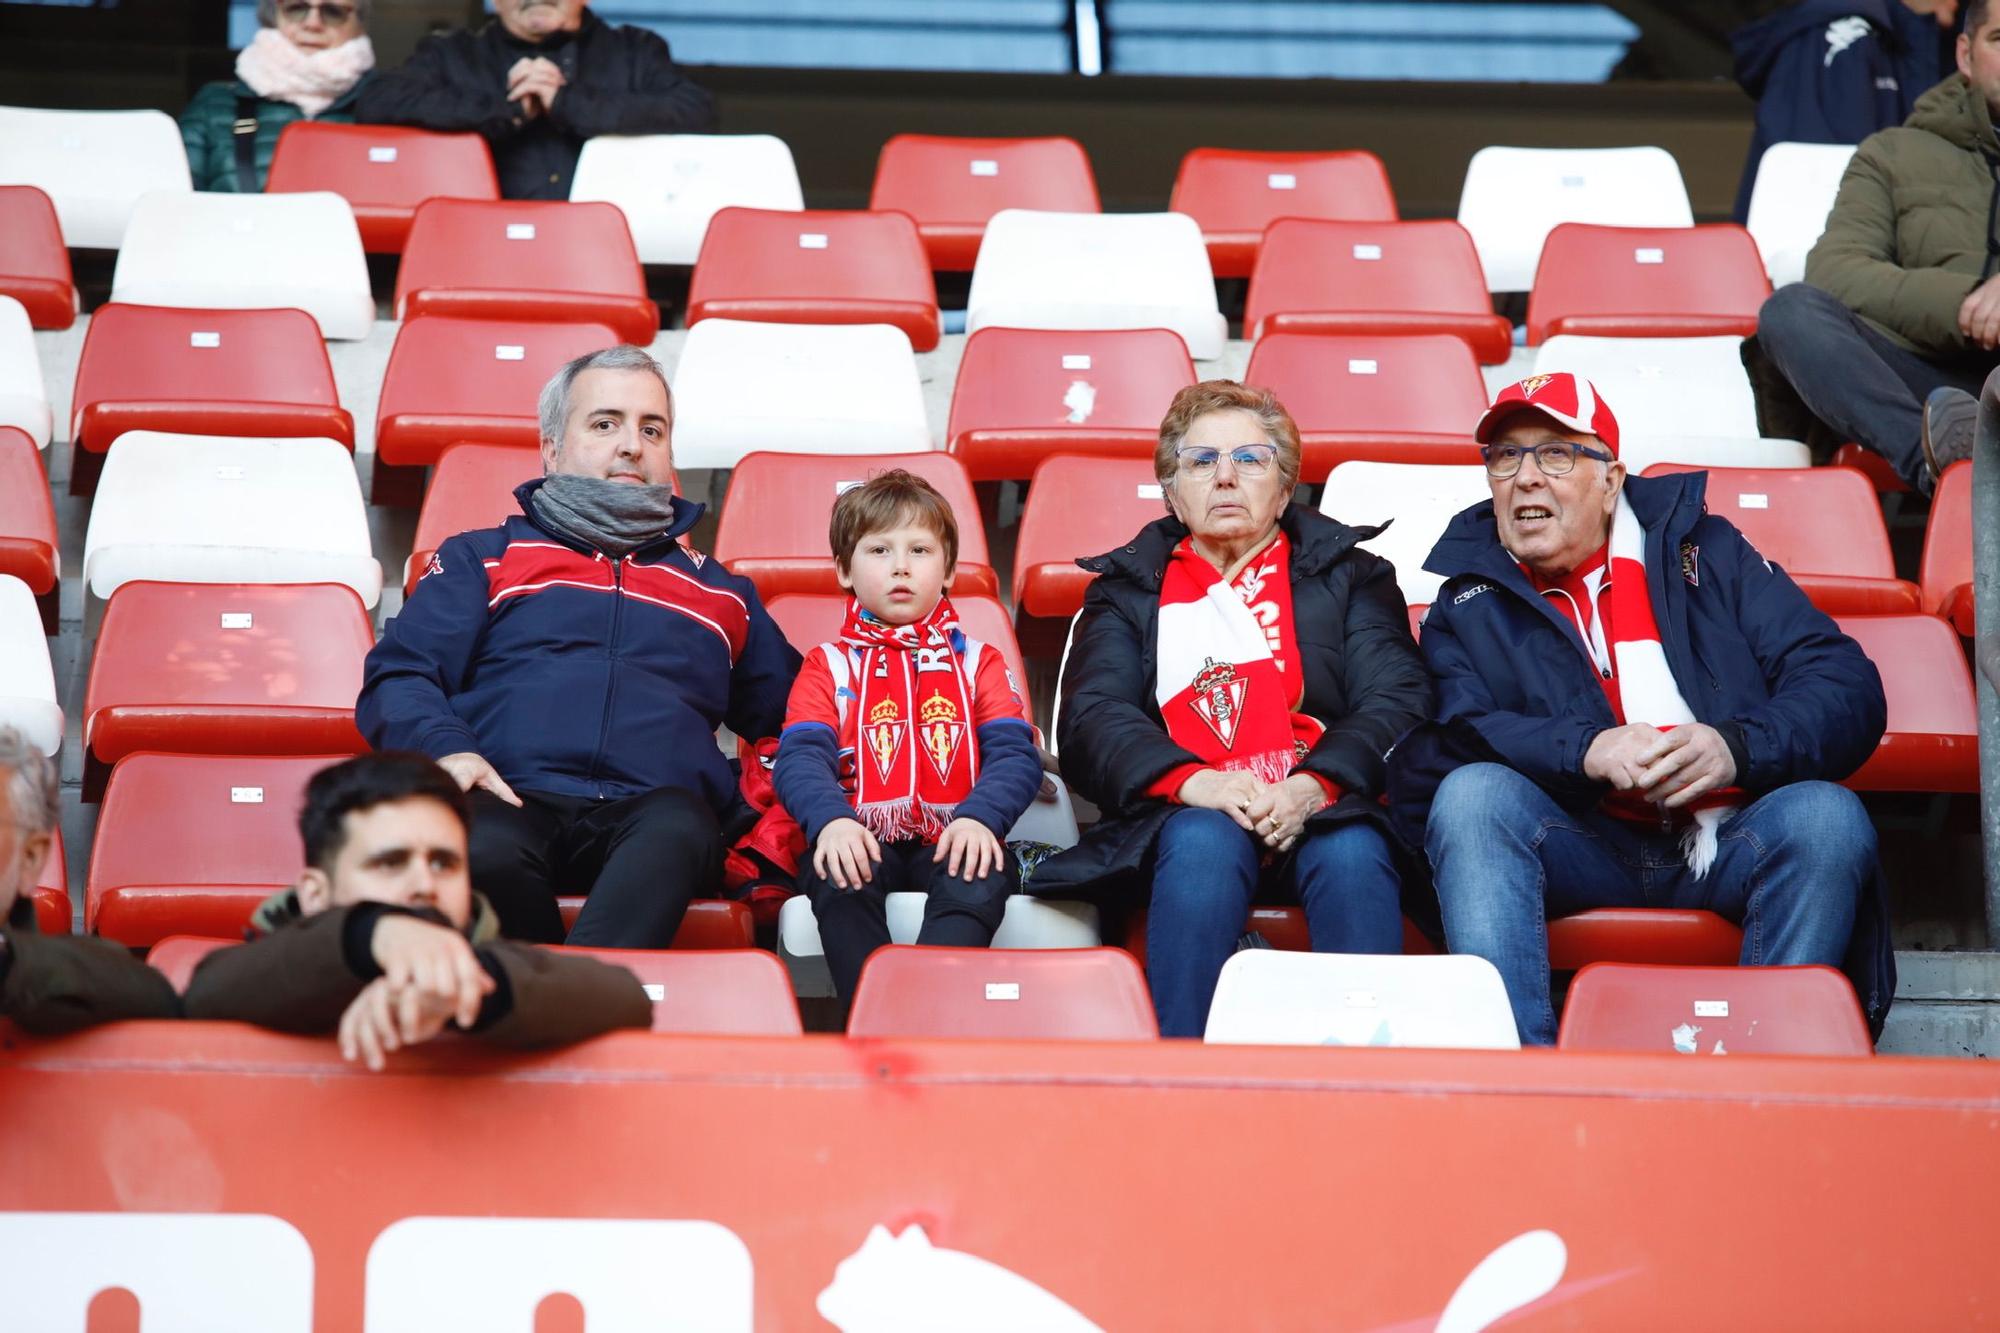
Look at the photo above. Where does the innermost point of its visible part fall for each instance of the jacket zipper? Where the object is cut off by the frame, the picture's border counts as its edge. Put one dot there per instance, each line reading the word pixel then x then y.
pixel 610 675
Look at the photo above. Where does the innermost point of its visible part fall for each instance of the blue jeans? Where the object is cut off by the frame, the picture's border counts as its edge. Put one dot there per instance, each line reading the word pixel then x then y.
pixel 1790 868
pixel 1205 873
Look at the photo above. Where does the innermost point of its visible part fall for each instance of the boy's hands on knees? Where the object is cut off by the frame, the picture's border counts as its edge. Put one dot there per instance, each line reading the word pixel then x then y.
pixel 435 962
pixel 969 843
pixel 384 1018
pixel 846 854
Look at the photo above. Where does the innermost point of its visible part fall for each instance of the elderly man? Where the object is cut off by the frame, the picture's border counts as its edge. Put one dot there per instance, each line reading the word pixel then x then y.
pixel 570 668
pixel 55 983
pixel 1635 710
pixel 536 82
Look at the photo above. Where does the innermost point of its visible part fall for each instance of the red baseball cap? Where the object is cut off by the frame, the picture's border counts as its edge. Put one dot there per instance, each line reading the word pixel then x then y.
pixel 1569 399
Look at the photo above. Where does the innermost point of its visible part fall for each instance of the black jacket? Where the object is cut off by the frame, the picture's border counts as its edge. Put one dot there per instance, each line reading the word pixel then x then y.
pixel 616 81
pixel 1363 678
pixel 58 983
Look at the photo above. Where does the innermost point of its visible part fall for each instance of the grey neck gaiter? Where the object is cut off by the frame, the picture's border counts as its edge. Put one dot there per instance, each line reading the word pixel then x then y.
pixel 615 517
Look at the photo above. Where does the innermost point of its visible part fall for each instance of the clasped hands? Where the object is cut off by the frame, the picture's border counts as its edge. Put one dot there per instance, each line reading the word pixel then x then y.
pixel 430 976
pixel 1275 813
pixel 1669 768
pixel 534 82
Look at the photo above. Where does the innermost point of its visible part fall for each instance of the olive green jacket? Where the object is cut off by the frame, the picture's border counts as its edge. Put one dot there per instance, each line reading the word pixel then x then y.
pixel 1912 230
pixel 58 983
pixel 208 128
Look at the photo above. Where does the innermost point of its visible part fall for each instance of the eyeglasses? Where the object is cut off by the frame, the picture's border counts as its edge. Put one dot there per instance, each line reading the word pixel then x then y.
pixel 1554 457
pixel 331 14
pixel 1252 460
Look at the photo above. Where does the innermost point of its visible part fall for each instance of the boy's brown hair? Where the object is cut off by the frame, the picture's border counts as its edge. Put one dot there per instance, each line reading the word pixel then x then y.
pixel 890 500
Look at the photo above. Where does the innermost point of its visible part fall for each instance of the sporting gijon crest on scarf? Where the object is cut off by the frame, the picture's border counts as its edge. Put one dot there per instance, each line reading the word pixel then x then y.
pixel 912 705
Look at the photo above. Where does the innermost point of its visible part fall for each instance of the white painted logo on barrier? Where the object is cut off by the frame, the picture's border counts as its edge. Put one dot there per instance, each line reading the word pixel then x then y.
pixel 904 1284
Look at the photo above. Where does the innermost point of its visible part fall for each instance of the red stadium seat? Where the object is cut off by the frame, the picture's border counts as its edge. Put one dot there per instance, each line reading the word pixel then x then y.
pixel 472 488
pixel 815 268
pixel 1713 1011
pixel 177 956
pixel 1823 525
pixel 34 263
pixel 1076 507
pixel 1236 193
pixel 1023 395
pixel 909 990
pixel 1642 935
pixel 734 993
pixel 384 171
pixel 1647 282
pixel 710 923
pixel 1282 928
pixel 258 373
pixel 29 547
pixel 1374 278
pixel 1946 573
pixel 810 619
pixel 774 523
pixel 1932 743
pixel 1387 399
pixel 51 891
pixel 216 668
pixel 1872 466
pixel 539 261
pixel 952 186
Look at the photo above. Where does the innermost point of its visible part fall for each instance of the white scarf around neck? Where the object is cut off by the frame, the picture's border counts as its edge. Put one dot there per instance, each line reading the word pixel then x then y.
pixel 312 81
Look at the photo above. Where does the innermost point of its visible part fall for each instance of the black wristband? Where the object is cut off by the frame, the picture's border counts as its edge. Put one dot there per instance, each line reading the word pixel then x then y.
pixel 500 1003
pixel 357 936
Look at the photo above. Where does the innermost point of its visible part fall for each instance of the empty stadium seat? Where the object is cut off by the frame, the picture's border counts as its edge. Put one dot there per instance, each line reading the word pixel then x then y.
pixel 27 679
pixel 1421 499
pixel 34 264
pixel 1097 271
pixel 951 187
pixel 819 267
pixel 249 252
pixel 210 668
pixel 714 993
pixel 810 619
pixel 1932 743
pixel 1676 936
pixel 1946 573
pixel 1411 399
pixel 53 915
pixel 1374 278
pixel 1048 994
pixel 1647 282
pixel 1795 187
pixel 1236 193
pixel 774 524
pixel 1078 507
pixel 1513 198
pixel 177 956
pixel 1713 1011
pixel 1280 998
pixel 93 165
pixel 1640 452
pixel 1022 395
pixel 1662 386
pixel 743 386
pixel 525 260
pixel 709 923
pixel 1871 465
pixel 472 488
pixel 29 547
pixel 204 509
pixel 1027 923
pixel 24 403
pixel 383 171
pixel 668 186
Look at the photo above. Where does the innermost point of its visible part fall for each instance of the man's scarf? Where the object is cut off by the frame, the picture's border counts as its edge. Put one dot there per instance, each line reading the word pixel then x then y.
pixel 615 517
pixel 915 756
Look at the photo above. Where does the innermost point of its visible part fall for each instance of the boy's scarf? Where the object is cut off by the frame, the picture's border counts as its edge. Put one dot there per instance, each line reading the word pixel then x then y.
pixel 312 81
pixel 1647 690
pixel 1225 695
pixel 915 756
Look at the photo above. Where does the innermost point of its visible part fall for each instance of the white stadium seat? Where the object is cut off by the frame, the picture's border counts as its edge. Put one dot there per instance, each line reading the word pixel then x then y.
pixel 24 403
pixel 1513 198
pixel 27 679
pixel 1029 923
pixel 1279 998
pixel 208 509
pixel 1662 386
pixel 743 385
pixel 1796 184
pixel 94 165
pixel 1097 271
pixel 1420 497
pixel 249 252
pixel 1642 451
pixel 669 185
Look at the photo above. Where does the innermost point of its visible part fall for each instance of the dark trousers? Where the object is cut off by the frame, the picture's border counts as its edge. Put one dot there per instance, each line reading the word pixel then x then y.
pixel 641 860
pixel 1862 385
pixel 854 923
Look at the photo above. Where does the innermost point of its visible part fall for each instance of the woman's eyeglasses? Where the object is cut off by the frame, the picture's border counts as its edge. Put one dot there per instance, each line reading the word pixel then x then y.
pixel 1251 460
pixel 1554 458
pixel 331 14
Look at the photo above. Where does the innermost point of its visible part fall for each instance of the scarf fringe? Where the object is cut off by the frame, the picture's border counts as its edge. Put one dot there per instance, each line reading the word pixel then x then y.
pixel 1701 841
pixel 1270 766
pixel 902 821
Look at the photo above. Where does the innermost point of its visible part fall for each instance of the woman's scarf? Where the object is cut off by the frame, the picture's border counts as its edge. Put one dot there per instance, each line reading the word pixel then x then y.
pixel 915 755
pixel 312 81
pixel 1227 680
pixel 615 517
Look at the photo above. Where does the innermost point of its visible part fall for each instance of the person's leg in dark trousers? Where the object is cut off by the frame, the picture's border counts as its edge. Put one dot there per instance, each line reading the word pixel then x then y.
pixel 642 860
pixel 854 923
pixel 515 862
pixel 958 912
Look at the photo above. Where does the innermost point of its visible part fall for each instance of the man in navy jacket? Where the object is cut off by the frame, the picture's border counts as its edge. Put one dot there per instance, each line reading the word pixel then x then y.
pixel 569 668
pixel 1635 710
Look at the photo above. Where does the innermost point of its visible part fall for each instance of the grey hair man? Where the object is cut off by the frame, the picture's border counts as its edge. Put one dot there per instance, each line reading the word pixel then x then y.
pixel 570 668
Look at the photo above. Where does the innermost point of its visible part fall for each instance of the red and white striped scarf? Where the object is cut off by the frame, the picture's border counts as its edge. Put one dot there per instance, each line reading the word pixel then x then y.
pixel 915 755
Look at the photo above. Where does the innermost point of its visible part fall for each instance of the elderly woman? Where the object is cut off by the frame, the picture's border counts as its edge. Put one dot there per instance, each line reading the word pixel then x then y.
pixel 1238 674
pixel 309 60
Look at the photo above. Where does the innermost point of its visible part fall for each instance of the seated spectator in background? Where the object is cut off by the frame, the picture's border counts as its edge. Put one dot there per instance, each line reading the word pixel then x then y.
pixel 536 82
pixel 55 983
pixel 570 668
pixel 1900 301
pixel 310 60
pixel 383 940
pixel 1239 672
pixel 1637 710
pixel 906 754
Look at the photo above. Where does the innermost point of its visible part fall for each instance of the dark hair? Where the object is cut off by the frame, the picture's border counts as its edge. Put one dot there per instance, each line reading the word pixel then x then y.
pixel 1975 14
pixel 362 783
pixel 884 501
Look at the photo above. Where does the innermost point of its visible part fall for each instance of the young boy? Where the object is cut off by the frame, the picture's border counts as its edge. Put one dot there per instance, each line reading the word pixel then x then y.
pixel 906 755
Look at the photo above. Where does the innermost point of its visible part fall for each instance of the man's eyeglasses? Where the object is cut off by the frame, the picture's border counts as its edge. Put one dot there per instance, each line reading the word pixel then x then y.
pixel 1251 460
pixel 1554 457
pixel 331 14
